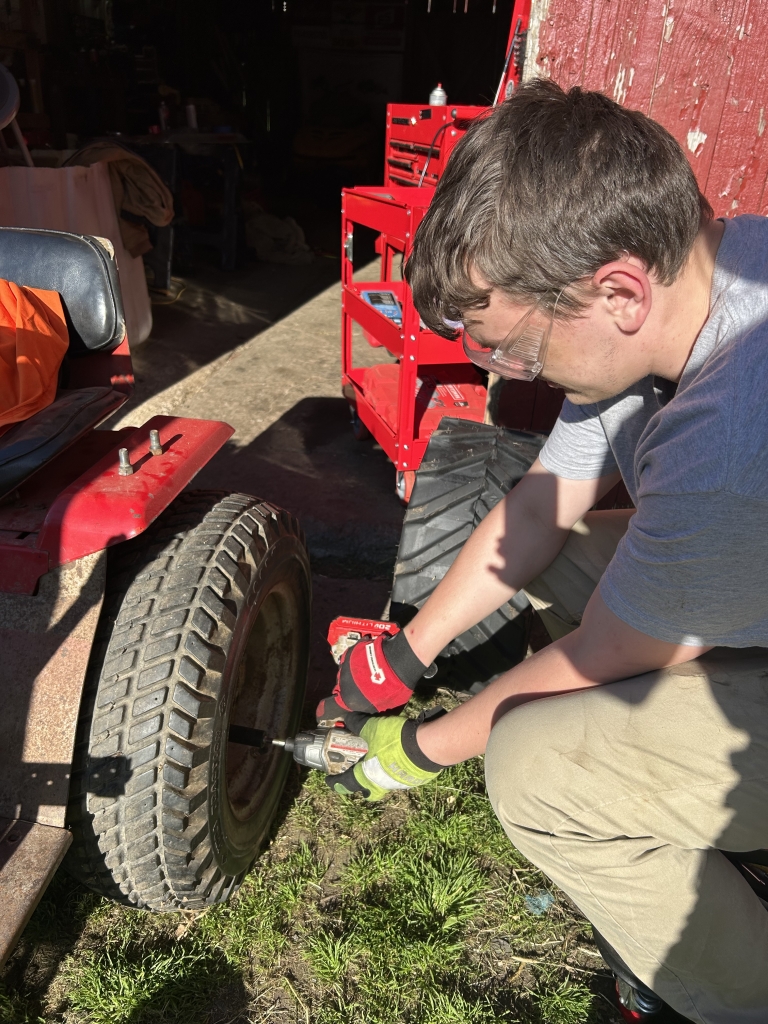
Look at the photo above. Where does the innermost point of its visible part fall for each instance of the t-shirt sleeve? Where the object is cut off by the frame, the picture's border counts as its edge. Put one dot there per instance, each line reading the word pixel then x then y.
pixel 682 570
pixel 577 448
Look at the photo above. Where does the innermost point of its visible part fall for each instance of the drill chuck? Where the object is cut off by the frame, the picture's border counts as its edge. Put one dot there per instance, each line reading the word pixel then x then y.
pixel 328 750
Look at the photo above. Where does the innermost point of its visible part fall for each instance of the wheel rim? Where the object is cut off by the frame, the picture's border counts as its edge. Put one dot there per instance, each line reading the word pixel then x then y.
pixel 268 658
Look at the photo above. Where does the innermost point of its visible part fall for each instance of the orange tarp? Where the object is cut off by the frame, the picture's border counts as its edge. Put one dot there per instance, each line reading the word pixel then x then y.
pixel 33 341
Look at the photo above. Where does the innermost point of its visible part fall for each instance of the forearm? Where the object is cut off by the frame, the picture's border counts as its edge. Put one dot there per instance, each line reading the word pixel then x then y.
pixel 516 541
pixel 602 650
pixel 464 732
pixel 507 550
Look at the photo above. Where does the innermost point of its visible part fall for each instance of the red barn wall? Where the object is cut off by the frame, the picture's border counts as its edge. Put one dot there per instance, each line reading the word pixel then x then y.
pixel 696 66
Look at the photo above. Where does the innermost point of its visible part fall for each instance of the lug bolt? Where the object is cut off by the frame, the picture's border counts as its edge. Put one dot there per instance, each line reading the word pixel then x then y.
pixel 154 442
pixel 125 468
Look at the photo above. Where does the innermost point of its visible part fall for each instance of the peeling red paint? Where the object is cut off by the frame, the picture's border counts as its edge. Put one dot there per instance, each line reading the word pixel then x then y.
pixel 693 65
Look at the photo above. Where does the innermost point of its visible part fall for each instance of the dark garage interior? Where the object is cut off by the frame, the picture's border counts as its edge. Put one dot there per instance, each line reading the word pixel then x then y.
pixel 300 86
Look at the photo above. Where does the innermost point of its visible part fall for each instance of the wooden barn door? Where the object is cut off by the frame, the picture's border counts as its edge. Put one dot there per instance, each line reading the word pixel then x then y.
pixel 696 66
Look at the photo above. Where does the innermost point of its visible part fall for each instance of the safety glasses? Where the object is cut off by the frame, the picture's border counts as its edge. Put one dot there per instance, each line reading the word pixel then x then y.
pixel 521 355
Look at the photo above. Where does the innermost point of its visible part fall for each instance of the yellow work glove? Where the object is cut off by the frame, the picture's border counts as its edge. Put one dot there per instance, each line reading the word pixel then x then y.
pixel 394 759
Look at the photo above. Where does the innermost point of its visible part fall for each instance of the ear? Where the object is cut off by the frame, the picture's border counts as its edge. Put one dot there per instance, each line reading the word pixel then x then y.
pixel 625 291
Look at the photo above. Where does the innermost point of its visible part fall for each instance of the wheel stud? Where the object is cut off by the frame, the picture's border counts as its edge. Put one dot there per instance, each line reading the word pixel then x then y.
pixel 125 468
pixel 154 442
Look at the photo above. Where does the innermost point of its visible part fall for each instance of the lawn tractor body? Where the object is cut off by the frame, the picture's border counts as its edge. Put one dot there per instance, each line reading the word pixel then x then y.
pixel 136 625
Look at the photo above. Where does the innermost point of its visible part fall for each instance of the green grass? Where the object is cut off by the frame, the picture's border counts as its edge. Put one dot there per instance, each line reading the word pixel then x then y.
pixel 408 912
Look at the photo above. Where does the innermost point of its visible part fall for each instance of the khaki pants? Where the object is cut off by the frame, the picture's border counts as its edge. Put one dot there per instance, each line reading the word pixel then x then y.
pixel 624 795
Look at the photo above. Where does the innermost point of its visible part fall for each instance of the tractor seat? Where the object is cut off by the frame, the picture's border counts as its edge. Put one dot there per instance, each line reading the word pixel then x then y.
pixel 29 445
pixel 81 268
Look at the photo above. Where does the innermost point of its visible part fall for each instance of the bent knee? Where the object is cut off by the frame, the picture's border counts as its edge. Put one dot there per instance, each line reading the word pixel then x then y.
pixel 528 773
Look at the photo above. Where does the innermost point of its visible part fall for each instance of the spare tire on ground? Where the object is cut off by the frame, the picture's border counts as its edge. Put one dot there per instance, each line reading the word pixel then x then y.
pixel 205 625
pixel 467 468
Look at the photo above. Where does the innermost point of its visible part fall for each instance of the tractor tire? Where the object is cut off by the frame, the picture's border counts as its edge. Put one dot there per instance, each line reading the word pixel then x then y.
pixel 205 624
pixel 467 469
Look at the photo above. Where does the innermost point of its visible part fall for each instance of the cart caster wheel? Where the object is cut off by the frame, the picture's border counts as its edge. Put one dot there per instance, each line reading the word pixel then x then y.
pixel 404 485
pixel 359 430
pixel 636 1005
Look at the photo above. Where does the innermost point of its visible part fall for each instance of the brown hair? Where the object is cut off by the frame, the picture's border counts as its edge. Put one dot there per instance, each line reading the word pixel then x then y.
pixel 541 193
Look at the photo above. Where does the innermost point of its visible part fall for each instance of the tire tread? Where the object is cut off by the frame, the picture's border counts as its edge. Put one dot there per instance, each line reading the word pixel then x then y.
pixel 139 785
pixel 467 469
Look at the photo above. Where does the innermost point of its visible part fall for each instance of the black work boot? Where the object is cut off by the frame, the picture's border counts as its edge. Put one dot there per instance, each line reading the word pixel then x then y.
pixel 636 1001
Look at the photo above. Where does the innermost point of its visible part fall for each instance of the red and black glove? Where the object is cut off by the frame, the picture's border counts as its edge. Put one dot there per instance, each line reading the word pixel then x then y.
pixel 374 676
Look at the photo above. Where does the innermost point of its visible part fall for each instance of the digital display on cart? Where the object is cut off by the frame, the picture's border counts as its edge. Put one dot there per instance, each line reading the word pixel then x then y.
pixel 386 303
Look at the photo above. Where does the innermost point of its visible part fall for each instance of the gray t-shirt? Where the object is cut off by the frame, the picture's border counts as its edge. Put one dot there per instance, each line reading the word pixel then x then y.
pixel 693 565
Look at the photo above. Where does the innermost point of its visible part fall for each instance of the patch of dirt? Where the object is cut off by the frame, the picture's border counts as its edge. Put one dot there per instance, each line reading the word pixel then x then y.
pixel 230 1005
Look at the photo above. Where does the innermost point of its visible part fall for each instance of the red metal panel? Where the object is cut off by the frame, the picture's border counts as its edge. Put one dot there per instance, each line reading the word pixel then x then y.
pixel 382 211
pixel 26 514
pixel 406 402
pixel 515 52
pixel 102 508
pixel 29 856
pixel 103 369
pixel 387 402
pixel 45 645
pixel 445 391
pixel 414 123
pixel 386 332
pixel 21 566
pixel 411 137
pixel 99 508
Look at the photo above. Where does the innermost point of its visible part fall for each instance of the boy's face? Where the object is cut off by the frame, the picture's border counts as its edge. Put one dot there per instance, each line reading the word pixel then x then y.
pixel 590 360
pixel 589 357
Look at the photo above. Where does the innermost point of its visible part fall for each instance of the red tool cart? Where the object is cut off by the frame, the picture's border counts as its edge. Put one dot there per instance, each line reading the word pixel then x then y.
pixel 420 138
pixel 401 402
pixel 419 141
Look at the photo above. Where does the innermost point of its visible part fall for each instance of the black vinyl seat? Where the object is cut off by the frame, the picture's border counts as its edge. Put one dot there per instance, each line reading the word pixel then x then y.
pixel 82 270
pixel 27 446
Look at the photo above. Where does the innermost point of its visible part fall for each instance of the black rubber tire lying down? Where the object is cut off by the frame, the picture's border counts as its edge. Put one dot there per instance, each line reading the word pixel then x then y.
pixel 467 468
pixel 205 624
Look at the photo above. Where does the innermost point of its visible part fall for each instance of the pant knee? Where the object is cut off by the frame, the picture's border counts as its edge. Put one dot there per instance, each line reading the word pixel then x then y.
pixel 521 770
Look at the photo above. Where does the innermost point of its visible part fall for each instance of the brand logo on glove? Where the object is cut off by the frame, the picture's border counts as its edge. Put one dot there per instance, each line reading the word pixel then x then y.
pixel 377 673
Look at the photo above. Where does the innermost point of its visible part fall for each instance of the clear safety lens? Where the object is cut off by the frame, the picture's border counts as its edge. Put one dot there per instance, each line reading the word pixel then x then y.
pixel 521 354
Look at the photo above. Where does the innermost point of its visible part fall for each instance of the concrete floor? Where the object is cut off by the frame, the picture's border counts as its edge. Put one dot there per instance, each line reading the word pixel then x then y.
pixel 260 349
